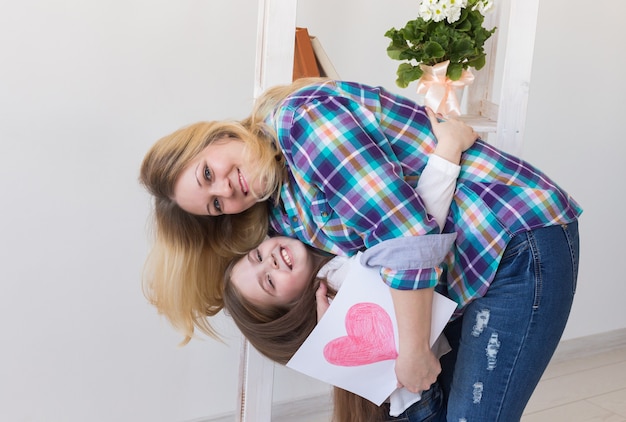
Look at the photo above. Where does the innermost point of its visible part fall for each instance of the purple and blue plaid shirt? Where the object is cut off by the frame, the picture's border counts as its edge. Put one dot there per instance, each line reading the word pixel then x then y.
pixel 355 153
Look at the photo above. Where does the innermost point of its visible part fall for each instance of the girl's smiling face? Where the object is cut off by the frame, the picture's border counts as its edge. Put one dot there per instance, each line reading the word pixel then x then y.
pixel 215 183
pixel 275 273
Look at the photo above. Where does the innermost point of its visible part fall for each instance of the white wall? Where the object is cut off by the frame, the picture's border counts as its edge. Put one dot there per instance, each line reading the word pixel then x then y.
pixel 86 86
pixel 575 131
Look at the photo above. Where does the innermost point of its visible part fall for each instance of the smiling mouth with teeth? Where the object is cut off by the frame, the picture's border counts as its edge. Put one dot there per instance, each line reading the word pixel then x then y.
pixel 286 257
pixel 242 183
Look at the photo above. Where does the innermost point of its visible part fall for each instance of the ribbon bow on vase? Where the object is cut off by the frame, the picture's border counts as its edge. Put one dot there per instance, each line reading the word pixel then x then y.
pixel 440 92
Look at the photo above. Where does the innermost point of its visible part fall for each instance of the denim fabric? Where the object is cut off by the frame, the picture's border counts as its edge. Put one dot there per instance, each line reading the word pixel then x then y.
pixel 505 339
pixel 429 409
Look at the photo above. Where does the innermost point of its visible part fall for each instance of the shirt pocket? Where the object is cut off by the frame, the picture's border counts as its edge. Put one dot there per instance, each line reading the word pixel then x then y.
pixel 321 212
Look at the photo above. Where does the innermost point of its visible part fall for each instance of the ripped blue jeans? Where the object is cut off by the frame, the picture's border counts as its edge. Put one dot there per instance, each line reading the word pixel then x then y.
pixel 504 341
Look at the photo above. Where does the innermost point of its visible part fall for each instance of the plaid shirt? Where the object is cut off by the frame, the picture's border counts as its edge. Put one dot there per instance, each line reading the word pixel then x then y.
pixel 355 153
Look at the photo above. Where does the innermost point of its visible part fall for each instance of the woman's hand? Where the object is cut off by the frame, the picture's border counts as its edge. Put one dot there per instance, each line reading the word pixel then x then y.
pixel 453 137
pixel 416 366
pixel 417 371
pixel 321 299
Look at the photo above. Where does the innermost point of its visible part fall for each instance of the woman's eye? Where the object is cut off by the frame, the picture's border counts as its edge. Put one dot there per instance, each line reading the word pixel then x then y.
pixel 269 280
pixel 207 173
pixel 216 204
pixel 258 256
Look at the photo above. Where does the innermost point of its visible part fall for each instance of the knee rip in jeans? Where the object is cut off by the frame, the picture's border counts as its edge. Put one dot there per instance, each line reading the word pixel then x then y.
pixel 482 319
pixel 492 351
pixel 477 394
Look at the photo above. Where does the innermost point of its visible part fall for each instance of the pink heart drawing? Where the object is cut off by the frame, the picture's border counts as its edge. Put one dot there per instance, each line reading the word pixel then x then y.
pixel 370 338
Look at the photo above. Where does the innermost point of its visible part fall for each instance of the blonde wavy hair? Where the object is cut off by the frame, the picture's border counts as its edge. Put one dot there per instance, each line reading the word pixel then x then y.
pixel 184 270
pixel 267 104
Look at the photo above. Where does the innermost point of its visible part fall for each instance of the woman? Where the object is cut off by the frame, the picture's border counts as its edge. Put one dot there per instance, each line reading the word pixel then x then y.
pixel 352 154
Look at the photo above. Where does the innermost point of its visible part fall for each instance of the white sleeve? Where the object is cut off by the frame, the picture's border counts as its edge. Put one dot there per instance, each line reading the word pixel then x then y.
pixel 436 187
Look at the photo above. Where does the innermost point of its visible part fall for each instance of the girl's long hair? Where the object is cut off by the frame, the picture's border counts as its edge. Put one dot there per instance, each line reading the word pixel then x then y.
pixel 349 407
pixel 278 332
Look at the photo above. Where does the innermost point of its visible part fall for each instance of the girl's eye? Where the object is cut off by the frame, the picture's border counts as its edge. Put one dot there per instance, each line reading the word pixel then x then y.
pixel 207 173
pixel 217 205
pixel 269 280
pixel 258 256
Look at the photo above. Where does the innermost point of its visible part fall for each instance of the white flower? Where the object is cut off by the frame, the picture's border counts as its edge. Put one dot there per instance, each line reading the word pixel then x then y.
pixel 438 10
pixel 483 6
pixel 458 3
pixel 454 14
pixel 445 6
pixel 426 9
pixel 439 13
pixel 426 14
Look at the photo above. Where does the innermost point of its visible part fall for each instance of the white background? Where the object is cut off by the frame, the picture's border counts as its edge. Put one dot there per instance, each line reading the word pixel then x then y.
pixel 86 86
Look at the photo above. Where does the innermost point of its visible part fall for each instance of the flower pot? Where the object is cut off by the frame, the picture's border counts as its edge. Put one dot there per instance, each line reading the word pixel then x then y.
pixel 440 93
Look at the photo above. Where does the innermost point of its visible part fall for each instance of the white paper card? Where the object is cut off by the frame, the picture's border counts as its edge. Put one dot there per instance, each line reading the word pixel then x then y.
pixel 355 344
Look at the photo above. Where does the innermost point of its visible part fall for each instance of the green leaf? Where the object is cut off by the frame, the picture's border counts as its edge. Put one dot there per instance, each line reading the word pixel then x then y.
pixel 464 25
pixel 455 70
pixel 481 35
pixel 434 50
pixel 478 63
pixel 461 49
pixel 407 73
pixel 390 33
pixel 395 52
pixel 475 18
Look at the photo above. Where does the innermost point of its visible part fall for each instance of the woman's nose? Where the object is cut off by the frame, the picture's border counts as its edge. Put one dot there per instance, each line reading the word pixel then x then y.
pixel 223 188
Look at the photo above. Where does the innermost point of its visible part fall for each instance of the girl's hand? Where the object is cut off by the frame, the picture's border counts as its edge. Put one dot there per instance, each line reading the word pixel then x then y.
pixel 417 371
pixel 321 300
pixel 453 137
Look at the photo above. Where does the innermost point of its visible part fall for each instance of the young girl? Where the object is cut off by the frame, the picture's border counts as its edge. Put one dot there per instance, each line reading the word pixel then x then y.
pixel 338 162
pixel 277 292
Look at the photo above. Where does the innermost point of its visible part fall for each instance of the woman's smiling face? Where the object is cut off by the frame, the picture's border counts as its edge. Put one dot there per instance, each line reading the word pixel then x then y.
pixel 276 273
pixel 214 182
